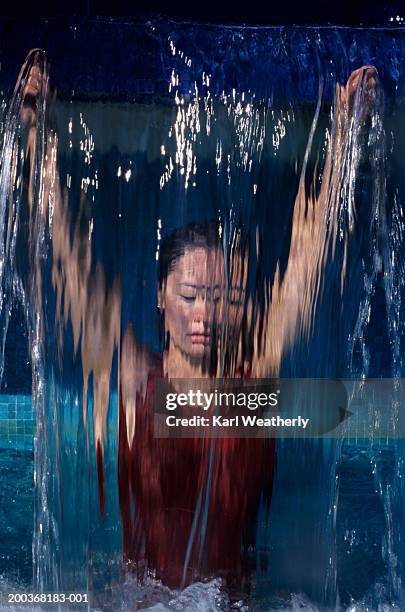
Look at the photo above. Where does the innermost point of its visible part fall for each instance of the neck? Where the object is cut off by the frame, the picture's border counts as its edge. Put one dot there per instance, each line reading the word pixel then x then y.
pixel 178 365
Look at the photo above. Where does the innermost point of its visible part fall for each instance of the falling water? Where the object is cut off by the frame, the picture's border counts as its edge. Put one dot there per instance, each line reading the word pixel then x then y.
pixel 236 125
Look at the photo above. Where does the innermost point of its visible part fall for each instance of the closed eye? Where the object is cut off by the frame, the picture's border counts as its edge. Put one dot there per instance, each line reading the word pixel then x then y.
pixel 188 298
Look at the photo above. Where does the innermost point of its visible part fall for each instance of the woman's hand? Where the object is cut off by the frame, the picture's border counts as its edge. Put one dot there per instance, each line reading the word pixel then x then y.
pixel 37 83
pixel 359 95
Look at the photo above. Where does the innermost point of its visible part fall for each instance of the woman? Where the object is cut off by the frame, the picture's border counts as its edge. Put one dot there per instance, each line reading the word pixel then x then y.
pixel 188 506
pixel 196 499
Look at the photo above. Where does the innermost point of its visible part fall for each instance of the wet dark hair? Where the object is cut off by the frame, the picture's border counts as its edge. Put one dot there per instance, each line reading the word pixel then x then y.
pixel 173 246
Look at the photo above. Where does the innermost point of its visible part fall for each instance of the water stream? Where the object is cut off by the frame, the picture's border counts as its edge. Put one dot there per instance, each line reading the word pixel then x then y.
pixel 170 124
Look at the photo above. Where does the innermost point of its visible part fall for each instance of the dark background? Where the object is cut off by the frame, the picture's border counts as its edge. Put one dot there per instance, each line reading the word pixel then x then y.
pixel 350 12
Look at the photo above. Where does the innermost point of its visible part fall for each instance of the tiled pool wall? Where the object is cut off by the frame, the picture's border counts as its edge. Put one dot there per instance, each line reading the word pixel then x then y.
pixel 17 422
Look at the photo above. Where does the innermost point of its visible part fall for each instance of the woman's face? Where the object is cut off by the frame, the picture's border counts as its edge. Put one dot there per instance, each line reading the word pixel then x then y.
pixel 192 300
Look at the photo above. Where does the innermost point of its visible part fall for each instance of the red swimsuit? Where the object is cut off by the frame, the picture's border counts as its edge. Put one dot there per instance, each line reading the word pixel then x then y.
pixel 188 506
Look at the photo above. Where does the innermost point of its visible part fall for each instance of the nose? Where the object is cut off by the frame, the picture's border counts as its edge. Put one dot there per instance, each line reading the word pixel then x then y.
pixel 202 315
pixel 199 326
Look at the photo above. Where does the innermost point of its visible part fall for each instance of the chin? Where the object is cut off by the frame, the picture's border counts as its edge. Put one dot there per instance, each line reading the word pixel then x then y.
pixel 199 350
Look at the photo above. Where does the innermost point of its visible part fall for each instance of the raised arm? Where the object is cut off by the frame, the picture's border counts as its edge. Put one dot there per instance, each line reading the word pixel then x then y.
pixel 289 314
pixel 82 296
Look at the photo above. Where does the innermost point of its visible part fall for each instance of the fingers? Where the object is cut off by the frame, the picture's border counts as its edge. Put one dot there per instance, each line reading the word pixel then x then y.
pixel 37 76
pixel 34 82
pixel 365 77
pixel 360 94
pixel 361 85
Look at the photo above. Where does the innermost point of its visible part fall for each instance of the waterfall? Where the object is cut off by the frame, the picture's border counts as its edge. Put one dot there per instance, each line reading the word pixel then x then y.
pixel 247 128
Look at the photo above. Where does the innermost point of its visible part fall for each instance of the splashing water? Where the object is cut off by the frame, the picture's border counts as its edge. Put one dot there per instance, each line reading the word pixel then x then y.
pixel 253 134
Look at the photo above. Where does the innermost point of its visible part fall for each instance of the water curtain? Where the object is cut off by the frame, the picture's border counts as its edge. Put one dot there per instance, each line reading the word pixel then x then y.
pixel 250 128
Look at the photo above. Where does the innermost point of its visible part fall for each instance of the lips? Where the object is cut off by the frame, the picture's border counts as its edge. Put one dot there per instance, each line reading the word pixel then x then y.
pixel 200 338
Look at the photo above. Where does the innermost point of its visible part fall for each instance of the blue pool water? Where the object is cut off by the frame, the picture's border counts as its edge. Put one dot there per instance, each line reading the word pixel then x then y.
pixel 360 536
pixel 16 515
